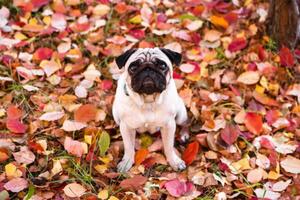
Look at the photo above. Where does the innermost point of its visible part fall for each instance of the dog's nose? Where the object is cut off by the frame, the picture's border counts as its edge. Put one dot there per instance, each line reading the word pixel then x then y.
pixel 148 82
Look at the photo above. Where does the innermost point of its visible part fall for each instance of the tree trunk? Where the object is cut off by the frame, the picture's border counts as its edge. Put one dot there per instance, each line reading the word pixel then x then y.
pixel 283 22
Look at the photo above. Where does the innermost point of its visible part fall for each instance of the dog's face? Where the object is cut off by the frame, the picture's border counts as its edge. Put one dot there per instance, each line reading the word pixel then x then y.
pixel 148 70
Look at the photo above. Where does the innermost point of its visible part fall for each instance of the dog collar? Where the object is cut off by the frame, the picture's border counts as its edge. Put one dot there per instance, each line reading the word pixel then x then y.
pixel 125 90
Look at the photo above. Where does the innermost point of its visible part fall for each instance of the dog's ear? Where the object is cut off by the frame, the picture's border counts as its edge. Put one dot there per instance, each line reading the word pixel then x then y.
pixel 122 59
pixel 172 55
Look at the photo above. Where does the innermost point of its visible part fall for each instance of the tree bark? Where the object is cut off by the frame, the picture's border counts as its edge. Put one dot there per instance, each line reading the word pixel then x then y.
pixel 283 23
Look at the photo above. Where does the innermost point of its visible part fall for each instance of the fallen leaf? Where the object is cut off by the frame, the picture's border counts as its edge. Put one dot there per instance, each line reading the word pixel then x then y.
pixel 85 113
pixel 237 45
pixel 15 126
pixel 190 153
pixel 24 156
pixel 255 175
pixel 291 164
pixel 219 21
pixel 52 116
pixel 134 182
pixel 74 190
pixel 73 126
pixel 13 112
pixel 42 53
pixel 249 77
pixel 104 142
pixel 73 147
pixel 254 123
pixel 177 188
pixel 281 185
pixel 140 156
pixel 286 57
pixel 230 133
pixel 16 185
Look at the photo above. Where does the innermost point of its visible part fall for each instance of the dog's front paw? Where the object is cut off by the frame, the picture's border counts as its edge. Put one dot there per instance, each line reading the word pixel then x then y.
pixel 125 164
pixel 177 164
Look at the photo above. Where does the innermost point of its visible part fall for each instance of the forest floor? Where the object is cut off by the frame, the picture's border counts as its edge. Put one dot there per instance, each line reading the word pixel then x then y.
pixel 58 77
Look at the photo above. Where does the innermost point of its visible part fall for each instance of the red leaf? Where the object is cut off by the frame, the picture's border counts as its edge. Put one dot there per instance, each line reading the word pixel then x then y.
pixel 39 3
pixel 13 112
pixel 137 33
pixel 85 113
pixel 35 146
pixel 42 53
pixel 237 44
pixel 190 152
pixel 133 182
pixel 265 143
pixel 262 53
pixel 230 133
pixel 272 116
pixel 254 122
pixel 15 126
pixel 286 57
pixel 106 85
pixel 231 17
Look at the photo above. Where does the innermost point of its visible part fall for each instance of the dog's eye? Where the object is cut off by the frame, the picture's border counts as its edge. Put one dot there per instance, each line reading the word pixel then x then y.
pixel 163 66
pixel 132 68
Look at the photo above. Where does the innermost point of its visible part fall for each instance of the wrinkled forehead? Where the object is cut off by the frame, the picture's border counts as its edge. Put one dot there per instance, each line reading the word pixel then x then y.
pixel 148 55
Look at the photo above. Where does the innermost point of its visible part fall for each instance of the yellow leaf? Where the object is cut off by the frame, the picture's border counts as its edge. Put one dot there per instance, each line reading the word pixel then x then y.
pixel 2 112
pixel 103 194
pixel 106 159
pixel 273 175
pixel 259 89
pixel 113 198
pixel 264 82
pixel 88 139
pixel 47 20
pixel 11 171
pixel 101 168
pixel 33 21
pixel 219 21
pixel 242 164
pixel 136 19
pixel 20 36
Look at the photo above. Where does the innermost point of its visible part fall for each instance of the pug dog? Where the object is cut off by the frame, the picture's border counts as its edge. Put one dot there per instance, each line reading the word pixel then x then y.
pixel 147 100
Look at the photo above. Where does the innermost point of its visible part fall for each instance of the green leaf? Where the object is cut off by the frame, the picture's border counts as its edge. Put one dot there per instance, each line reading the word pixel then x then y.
pixel 187 16
pixel 103 143
pixel 146 141
pixel 30 193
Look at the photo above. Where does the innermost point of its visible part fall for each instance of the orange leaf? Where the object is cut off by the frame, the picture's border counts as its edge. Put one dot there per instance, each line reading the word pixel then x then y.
pixel 13 112
pixel 190 152
pixel 264 99
pixel 219 21
pixel 140 156
pixel 85 113
pixel 254 122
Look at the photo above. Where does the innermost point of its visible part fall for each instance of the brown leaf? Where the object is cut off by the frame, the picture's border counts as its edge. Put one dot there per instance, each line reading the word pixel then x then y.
pixel 85 113
pixel 133 182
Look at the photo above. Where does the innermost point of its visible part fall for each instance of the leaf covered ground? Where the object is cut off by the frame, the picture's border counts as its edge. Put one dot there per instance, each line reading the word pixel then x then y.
pixel 58 139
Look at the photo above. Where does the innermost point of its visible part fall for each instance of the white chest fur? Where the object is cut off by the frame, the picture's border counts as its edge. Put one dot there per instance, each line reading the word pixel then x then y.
pixel 140 113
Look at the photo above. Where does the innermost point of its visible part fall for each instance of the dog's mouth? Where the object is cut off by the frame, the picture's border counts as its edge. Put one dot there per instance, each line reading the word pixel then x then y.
pixel 148 82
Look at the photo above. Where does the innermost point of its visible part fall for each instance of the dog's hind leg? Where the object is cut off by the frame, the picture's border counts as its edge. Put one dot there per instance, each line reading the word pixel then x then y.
pixel 182 120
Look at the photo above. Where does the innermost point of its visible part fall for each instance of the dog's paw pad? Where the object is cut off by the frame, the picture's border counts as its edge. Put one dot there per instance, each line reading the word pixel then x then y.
pixel 124 165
